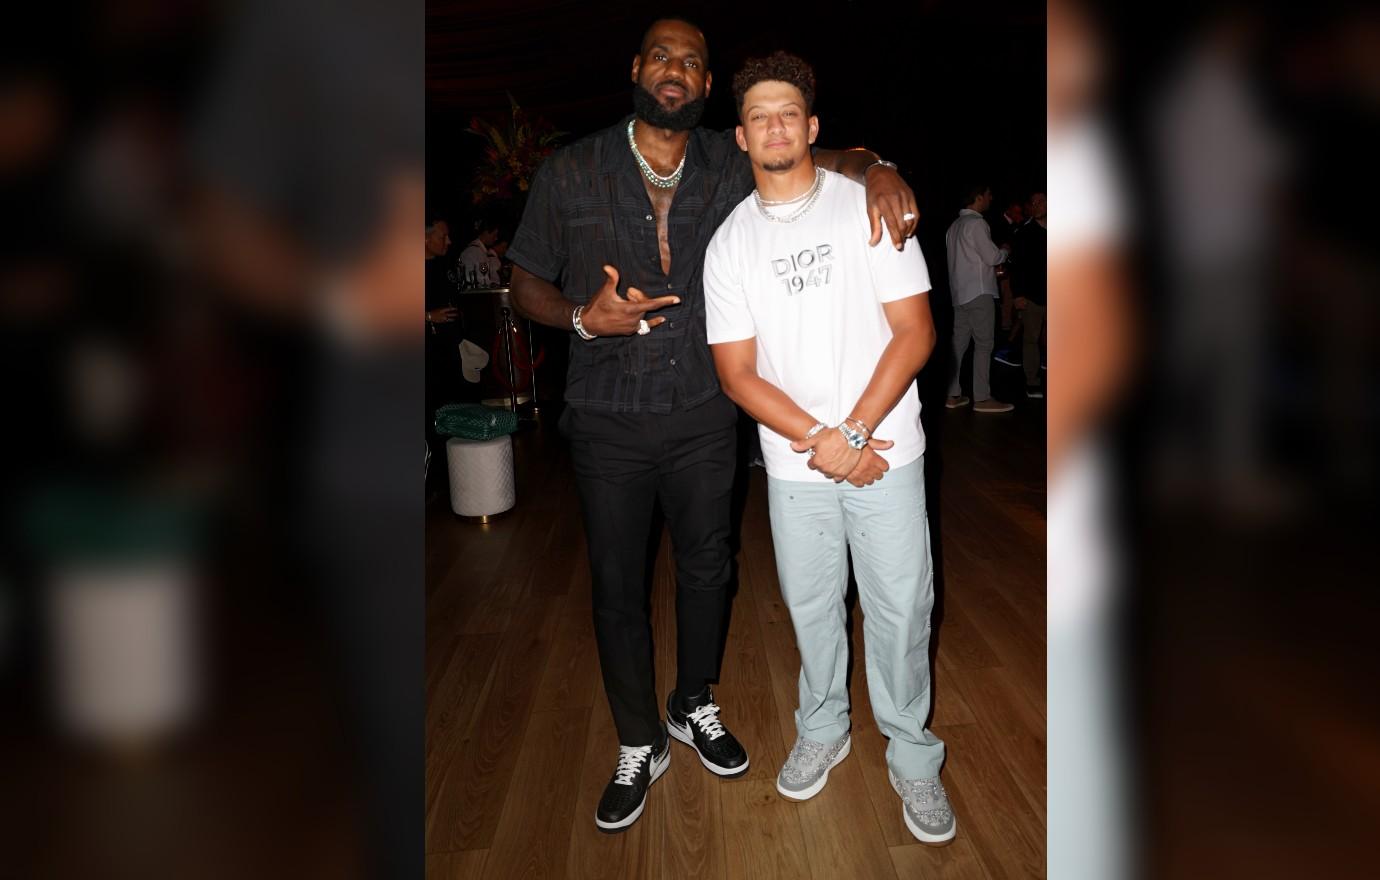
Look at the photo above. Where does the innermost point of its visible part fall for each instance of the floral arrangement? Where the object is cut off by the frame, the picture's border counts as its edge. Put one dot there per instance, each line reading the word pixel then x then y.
pixel 511 156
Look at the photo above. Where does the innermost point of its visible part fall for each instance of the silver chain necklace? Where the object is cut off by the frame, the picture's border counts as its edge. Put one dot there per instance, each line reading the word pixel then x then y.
pixel 811 196
pixel 652 177
pixel 771 203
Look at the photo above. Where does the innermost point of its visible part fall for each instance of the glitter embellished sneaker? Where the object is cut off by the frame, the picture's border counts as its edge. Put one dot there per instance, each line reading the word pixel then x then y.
pixel 626 794
pixel 807 767
pixel 925 807
pixel 696 723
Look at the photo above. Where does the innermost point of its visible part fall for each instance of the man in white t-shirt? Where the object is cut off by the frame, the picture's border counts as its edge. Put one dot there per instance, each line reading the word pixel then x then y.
pixel 819 338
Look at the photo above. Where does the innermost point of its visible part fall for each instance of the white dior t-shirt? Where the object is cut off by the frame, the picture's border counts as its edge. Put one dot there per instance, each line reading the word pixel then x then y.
pixel 811 292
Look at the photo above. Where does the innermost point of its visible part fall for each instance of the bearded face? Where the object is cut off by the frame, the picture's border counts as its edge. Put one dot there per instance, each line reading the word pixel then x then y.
pixel 670 79
pixel 681 117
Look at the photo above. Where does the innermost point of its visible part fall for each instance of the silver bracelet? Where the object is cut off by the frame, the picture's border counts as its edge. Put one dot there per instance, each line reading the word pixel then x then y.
pixel 861 424
pixel 579 325
pixel 819 426
pixel 855 439
pixel 891 165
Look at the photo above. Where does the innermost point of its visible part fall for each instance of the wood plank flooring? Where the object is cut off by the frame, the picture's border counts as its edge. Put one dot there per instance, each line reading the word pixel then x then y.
pixel 520 742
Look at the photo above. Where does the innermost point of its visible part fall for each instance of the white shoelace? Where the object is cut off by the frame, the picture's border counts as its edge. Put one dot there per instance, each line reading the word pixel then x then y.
pixel 630 760
pixel 707 717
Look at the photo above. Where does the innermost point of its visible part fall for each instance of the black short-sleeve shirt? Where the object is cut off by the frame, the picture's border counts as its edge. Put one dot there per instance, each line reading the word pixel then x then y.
pixel 587 207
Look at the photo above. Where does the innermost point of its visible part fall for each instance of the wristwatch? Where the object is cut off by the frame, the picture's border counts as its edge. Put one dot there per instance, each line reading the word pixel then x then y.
pixel 855 439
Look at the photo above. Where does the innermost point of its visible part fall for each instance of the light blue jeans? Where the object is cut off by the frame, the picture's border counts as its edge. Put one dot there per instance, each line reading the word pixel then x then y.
pixel 813 527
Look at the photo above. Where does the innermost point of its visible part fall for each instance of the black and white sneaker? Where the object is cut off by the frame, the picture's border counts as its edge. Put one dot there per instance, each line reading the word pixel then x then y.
pixel 626 794
pixel 697 724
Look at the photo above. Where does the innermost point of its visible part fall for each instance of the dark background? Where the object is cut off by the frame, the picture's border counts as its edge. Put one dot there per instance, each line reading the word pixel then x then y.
pixel 948 90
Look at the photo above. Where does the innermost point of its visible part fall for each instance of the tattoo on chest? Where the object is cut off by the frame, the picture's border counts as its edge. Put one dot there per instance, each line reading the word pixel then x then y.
pixel 811 267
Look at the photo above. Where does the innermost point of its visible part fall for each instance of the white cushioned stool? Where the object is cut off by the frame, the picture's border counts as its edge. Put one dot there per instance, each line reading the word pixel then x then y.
pixel 481 476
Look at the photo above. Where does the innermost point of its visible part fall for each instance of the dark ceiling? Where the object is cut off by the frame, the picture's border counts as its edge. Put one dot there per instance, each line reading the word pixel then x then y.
pixel 948 89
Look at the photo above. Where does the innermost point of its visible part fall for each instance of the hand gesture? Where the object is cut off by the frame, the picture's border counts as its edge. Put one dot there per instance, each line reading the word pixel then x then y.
pixel 443 315
pixel 890 199
pixel 832 455
pixel 609 314
pixel 871 466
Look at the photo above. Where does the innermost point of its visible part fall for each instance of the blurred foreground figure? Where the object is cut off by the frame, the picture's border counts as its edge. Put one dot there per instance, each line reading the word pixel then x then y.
pixel 1088 343
pixel 309 199
pixel 1259 423
pixel 211 540
pixel 1219 162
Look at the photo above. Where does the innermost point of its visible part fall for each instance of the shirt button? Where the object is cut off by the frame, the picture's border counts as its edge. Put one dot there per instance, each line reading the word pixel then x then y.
pixel 649 216
pixel 673 362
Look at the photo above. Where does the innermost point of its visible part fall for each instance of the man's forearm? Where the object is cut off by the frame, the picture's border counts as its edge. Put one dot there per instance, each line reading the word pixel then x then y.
pixel 904 356
pixel 852 164
pixel 539 300
pixel 768 404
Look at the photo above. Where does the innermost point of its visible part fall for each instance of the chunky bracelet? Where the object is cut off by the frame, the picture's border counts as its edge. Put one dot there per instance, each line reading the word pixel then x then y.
pixel 819 426
pixel 579 325
pixel 861 424
pixel 855 439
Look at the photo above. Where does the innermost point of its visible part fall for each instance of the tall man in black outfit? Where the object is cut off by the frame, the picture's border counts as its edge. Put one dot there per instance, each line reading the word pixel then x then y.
pixel 611 247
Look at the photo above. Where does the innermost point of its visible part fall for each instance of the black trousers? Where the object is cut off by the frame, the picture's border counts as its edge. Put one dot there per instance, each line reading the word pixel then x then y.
pixel 624 464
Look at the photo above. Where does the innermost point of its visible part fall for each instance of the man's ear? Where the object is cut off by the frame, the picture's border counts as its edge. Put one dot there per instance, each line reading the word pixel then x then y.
pixel 814 128
pixel 742 141
pixel 637 67
pixel 708 81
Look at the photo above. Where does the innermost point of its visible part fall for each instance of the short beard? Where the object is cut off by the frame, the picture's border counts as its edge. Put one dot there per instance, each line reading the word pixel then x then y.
pixel 780 165
pixel 650 111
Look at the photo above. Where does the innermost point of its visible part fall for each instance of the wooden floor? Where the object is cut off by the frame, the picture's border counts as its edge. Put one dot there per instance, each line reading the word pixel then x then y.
pixel 520 742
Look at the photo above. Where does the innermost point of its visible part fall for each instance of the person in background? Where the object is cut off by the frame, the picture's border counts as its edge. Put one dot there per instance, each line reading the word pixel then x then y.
pixel 444 328
pixel 1004 227
pixel 973 259
pixel 1006 224
pixel 479 264
pixel 1028 264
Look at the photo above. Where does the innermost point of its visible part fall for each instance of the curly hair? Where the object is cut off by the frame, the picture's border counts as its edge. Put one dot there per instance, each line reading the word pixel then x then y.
pixel 779 67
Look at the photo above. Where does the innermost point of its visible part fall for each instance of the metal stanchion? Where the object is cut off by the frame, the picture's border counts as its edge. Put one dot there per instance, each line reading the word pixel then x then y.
pixel 532 363
pixel 507 331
